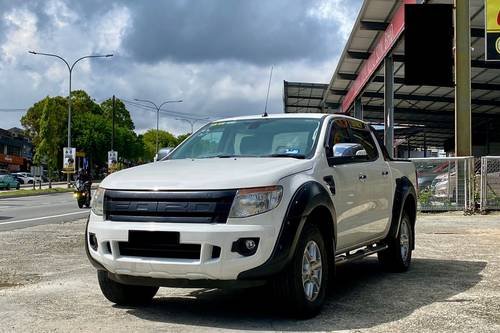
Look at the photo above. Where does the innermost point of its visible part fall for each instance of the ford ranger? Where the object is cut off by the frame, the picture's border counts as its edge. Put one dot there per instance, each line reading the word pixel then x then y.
pixel 278 199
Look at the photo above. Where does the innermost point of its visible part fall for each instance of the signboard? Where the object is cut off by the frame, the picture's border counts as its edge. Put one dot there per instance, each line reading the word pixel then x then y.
pixel 492 38
pixel 112 161
pixel 69 160
pixel 382 48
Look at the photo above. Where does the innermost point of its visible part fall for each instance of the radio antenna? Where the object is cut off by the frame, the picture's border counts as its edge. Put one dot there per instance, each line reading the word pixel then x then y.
pixel 268 88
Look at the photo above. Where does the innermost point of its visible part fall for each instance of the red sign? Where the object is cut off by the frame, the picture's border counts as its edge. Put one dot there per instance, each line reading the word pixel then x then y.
pixel 10 159
pixel 384 45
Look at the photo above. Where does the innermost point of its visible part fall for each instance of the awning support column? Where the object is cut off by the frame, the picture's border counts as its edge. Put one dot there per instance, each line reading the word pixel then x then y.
pixel 358 109
pixel 389 104
pixel 463 143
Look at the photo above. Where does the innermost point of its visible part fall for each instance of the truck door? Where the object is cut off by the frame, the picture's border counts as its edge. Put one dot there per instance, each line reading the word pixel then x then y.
pixel 360 205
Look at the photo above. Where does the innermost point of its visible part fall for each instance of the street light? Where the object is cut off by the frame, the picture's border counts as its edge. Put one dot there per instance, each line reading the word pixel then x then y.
pixel 192 122
pixel 70 69
pixel 158 108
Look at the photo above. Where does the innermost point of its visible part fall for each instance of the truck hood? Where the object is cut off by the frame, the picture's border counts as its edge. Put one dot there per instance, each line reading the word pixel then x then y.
pixel 206 174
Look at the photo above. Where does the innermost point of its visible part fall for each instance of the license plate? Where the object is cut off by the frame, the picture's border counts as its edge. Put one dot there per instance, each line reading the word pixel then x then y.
pixel 153 237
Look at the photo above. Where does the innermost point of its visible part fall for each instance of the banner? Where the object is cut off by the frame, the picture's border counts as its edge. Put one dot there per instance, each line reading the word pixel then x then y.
pixel 112 161
pixel 69 159
pixel 492 38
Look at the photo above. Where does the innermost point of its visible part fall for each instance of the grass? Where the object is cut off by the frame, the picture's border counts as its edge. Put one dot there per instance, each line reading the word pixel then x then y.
pixel 26 192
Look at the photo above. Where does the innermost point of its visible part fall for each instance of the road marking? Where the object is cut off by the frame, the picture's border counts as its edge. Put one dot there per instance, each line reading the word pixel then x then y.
pixel 41 218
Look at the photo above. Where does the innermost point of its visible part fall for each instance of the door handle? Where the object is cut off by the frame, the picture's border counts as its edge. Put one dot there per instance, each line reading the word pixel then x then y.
pixel 362 177
pixel 331 183
pixel 385 173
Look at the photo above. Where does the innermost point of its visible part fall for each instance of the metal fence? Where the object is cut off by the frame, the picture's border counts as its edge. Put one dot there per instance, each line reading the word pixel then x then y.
pixel 446 183
pixel 490 183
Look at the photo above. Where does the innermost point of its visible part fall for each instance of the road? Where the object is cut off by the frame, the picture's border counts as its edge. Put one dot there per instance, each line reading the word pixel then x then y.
pixel 16 213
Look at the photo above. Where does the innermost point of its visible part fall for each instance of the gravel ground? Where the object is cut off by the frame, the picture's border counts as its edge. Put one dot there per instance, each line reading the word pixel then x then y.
pixel 47 285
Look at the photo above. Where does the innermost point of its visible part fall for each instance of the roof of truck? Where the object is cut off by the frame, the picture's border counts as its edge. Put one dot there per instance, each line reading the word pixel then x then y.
pixel 281 116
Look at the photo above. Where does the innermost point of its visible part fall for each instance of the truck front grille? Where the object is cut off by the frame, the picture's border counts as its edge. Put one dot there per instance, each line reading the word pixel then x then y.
pixel 168 206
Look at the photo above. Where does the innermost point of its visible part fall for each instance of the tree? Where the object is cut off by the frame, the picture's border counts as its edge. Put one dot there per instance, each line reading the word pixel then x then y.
pixel 48 147
pixel 165 139
pixel 182 137
pixel 122 115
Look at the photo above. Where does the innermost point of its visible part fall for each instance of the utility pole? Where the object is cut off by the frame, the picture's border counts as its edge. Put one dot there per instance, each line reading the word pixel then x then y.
pixel 113 126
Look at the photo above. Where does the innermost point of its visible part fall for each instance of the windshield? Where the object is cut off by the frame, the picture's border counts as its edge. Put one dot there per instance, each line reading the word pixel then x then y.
pixel 266 137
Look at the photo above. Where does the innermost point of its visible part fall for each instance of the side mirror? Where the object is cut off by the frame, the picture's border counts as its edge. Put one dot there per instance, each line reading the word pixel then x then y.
pixel 361 153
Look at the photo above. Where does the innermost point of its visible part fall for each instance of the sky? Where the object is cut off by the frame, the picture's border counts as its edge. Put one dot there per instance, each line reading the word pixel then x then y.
pixel 215 55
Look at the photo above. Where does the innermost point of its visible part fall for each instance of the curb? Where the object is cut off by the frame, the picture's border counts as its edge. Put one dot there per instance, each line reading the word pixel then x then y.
pixel 21 195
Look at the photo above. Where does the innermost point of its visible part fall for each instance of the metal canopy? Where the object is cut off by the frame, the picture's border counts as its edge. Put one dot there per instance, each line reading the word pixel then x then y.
pixel 429 107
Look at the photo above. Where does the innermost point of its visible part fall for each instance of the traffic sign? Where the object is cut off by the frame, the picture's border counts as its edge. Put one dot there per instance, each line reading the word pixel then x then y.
pixel 492 38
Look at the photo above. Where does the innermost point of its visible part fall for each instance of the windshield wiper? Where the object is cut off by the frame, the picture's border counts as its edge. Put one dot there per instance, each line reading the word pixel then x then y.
pixel 297 156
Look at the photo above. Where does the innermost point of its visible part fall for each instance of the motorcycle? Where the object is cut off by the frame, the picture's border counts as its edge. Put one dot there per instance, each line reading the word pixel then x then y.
pixel 82 194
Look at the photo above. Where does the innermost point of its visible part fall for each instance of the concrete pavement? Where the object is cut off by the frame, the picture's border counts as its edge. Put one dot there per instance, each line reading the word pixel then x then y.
pixel 16 213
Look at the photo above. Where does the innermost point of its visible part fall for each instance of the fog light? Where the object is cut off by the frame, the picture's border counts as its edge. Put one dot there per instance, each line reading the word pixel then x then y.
pixel 93 241
pixel 250 244
pixel 245 246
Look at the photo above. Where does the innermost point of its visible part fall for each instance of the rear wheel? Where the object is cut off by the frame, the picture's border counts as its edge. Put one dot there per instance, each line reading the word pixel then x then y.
pixel 302 286
pixel 8 187
pixel 397 257
pixel 124 294
pixel 18 186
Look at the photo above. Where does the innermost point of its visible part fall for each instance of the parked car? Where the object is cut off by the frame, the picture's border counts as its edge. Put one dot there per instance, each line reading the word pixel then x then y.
pixel 245 201
pixel 26 177
pixel 8 182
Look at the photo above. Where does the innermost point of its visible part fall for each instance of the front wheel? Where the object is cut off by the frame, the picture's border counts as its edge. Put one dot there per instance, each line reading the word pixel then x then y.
pixel 124 294
pixel 302 286
pixel 397 257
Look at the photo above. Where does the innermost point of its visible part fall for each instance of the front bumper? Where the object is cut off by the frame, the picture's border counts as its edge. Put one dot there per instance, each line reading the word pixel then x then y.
pixel 226 267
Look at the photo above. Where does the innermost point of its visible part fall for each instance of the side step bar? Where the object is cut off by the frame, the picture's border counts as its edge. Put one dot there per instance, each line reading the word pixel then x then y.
pixel 359 254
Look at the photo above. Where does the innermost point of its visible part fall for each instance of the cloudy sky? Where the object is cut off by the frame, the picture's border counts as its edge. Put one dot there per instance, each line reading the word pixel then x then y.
pixel 214 54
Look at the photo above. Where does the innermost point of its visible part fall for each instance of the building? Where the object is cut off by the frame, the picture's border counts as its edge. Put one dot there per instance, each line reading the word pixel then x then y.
pixel 16 150
pixel 369 83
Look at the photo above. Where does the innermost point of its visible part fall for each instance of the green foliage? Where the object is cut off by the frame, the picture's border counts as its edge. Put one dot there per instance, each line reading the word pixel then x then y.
pixel 122 116
pixel 165 139
pixel 91 125
pixel 182 137
pixel 49 144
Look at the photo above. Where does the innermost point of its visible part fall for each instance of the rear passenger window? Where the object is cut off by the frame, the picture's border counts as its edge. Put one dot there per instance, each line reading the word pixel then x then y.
pixel 352 139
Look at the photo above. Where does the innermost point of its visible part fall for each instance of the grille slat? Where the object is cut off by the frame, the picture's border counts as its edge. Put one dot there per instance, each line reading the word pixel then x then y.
pixel 168 206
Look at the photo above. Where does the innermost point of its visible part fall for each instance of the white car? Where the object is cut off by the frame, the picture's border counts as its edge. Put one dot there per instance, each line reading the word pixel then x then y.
pixel 26 177
pixel 253 200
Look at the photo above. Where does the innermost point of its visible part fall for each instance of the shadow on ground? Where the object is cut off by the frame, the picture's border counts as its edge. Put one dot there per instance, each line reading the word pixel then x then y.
pixel 362 296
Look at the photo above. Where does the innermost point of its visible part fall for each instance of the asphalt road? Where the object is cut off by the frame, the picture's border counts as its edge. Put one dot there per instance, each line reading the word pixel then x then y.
pixel 16 213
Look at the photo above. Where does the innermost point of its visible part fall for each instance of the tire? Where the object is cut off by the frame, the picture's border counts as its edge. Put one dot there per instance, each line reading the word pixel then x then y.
pixel 18 186
pixel 7 187
pixel 80 203
pixel 293 283
pixel 397 257
pixel 124 294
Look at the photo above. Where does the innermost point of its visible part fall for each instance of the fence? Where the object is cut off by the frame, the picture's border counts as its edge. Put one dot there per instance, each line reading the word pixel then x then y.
pixel 490 183
pixel 446 183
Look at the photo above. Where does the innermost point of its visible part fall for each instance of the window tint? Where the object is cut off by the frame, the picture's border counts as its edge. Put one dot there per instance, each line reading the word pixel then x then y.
pixel 352 139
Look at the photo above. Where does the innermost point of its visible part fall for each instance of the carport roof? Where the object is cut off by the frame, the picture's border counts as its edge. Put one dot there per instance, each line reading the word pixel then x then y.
pixel 429 106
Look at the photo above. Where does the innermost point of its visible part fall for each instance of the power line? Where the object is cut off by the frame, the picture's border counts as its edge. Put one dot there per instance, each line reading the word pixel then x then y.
pixel 12 110
pixel 171 112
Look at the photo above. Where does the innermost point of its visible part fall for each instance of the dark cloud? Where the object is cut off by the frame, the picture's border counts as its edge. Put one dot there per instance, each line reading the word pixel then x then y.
pixel 260 32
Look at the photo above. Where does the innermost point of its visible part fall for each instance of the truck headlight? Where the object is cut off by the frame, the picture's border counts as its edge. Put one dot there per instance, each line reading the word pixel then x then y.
pixel 253 201
pixel 98 202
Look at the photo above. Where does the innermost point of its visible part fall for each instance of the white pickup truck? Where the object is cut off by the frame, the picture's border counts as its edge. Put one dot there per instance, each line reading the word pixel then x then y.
pixel 244 201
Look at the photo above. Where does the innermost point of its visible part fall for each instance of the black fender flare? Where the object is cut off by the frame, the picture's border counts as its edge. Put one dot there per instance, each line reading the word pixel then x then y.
pixel 306 198
pixel 404 191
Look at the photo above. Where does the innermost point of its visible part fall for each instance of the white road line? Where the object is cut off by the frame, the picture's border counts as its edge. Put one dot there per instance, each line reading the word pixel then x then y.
pixel 42 218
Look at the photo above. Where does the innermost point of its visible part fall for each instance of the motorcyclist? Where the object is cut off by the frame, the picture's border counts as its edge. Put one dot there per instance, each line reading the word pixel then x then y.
pixel 84 176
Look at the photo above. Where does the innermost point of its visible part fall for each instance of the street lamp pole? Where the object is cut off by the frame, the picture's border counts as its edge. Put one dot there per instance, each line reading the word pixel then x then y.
pixel 191 122
pixel 158 108
pixel 70 69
